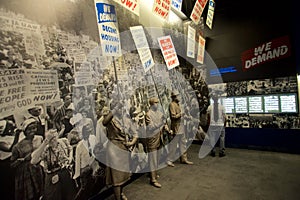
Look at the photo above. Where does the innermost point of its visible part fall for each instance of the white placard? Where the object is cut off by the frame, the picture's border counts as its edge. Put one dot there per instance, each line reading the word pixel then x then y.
pixel 142 46
pixel 210 13
pixel 191 42
pixel 24 88
pixel 176 4
pixel 18 25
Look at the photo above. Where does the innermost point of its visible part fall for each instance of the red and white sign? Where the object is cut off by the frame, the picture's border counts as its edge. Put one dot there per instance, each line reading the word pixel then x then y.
pixel 274 50
pixel 201 50
pixel 168 51
pixel 162 8
pixel 198 10
pixel 132 5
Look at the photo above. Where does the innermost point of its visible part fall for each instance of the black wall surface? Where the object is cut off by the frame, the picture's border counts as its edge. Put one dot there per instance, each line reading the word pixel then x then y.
pixel 278 140
pixel 242 25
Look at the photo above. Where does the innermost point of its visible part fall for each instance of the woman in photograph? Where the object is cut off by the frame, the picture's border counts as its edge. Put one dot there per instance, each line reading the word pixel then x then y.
pixel 118 170
pixel 29 178
pixel 57 156
pixel 9 137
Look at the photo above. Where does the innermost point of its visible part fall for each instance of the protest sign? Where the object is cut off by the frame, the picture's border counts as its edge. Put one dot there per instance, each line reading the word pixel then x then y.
pixel 43 85
pixel 168 51
pixel 34 44
pixel 162 8
pixel 18 25
pixel 83 78
pixel 210 13
pixel 12 90
pixel 201 50
pixel 108 28
pixel 198 10
pixel 176 4
pixel 83 74
pixel 33 38
pixel 21 89
pixel 141 44
pixel 191 42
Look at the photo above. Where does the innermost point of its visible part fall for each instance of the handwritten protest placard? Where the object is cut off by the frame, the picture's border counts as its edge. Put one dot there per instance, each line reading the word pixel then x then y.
pixel 18 25
pixel 83 74
pixel 162 8
pixel 191 42
pixel 201 50
pixel 210 13
pixel 24 88
pixel 108 28
pixel 168 51
pixel 141 44
pixel 43 82
pixel 34 43
pixel 12 90
pixel 198 10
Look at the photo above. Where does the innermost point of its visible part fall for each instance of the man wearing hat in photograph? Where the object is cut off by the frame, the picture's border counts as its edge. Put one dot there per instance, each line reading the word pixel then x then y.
pixel 178 136
pixel 156 123
pixel 60 113
pixel 67 126
pixel 35 113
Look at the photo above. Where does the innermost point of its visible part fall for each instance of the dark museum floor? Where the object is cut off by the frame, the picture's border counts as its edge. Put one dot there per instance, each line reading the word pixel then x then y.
pixel 241 175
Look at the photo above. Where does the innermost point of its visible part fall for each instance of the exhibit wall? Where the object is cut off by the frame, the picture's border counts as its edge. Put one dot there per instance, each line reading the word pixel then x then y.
pixel 53 50
pixel 264 103
pixel 63 35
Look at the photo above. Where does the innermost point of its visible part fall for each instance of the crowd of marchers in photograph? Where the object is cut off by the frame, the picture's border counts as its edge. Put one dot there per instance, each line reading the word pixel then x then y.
pixel 69 139
pixel 58 151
